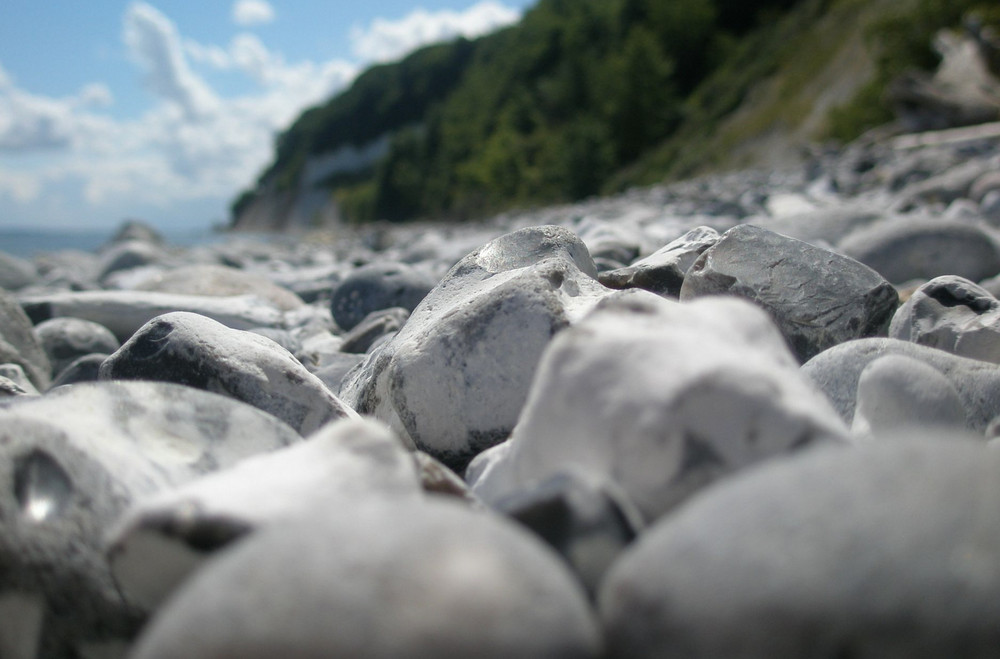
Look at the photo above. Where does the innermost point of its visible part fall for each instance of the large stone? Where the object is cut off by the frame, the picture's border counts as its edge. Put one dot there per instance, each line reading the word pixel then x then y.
pixel 952 314
pixel 903 249
pixel 837 371
pixel 124 312
pixel 165 538
pixel 662 272
pixel 896 392
pixel 817 298
pixel 128 255
pixel 15 272
pixel 221 281
pixel 400 580
pixel 19 344
pixel 199 352
pixel 67 339
pixel 822 226
pixel 71 462
pixel 662 398
pixel 890 550
pixel 374 327
pixel 375 287
pixel 456 375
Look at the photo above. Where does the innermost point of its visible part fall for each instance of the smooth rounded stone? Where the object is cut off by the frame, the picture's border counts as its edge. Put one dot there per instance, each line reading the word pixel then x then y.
pixel 906 248
pixel 15 373
pixel 952 314
pixel 313 283
pixel 662 398
pixel 71 463
pixel 136 230
pixel 943 188
pixel 163 539
pixel 83 369
pixel 821 225
pixel 817 298
pixel 377 286
pixel 65 270
pixel 662 272
pixel 221 281
pixel 128 255
pixel 401 580
pixel 199 352
pixel 66 339
pixel 589 522
pixel 836 373
pixel 19 344
pixel 984 184
pixel 990 207
pixel 455 377
pixel 15 272
pixel 886 550
pixel 124 312
pixel 375 325
pixel 897 392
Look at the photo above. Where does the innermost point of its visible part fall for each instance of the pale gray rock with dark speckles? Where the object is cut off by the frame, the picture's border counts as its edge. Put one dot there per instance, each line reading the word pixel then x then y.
pixel 662 398
pixel 163 539
pixel 71 463
pixel 456 375
pixel 199 352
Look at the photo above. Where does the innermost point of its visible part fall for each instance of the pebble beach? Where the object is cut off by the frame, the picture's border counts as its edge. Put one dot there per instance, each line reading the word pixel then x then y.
pixel 747 415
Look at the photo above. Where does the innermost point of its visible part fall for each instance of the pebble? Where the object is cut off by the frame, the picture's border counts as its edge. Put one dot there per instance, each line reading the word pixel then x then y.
pixel 66 339
pixel 655 434
pixel 952 314
pixel 199 352
pixel 454 378
pixel 420 579
pixel 688 420
pixel 817 298
pixel 73 461
pixel 887 550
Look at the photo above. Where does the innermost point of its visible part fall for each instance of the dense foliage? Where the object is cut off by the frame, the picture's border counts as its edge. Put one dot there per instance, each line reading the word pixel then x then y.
pixel 557 106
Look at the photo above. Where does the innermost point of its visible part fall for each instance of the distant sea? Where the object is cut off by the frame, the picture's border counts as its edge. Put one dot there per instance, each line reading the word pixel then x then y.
pixel 29 242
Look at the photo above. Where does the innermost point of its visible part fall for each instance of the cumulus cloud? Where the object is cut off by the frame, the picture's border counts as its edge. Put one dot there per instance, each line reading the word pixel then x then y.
pixel 154 43
pixel 193 144
pixel 252 12
pixel 385 40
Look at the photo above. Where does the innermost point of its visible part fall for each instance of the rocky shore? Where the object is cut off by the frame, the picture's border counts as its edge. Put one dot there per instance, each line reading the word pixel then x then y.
pixel 748 415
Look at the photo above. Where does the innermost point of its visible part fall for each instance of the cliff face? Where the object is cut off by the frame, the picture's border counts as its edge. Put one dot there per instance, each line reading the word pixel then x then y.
pixel 589 97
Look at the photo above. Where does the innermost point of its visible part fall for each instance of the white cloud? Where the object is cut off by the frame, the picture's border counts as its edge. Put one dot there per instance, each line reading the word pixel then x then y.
pixel 193 144
pixel 155 45
pixel 252 12
pixel 384 40
pixel 22 188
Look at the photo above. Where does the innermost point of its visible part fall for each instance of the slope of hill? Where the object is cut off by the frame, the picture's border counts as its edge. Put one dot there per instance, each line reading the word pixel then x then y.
pixel 584 97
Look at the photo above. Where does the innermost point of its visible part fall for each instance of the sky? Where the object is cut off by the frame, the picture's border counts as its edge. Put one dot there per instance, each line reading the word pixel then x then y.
pixel 164 110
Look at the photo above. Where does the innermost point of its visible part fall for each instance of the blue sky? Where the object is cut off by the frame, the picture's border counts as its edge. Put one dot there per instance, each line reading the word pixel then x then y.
pixel 164 109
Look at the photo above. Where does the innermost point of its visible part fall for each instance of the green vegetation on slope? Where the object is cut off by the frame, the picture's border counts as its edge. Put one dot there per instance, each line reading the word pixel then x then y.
pixel 586 96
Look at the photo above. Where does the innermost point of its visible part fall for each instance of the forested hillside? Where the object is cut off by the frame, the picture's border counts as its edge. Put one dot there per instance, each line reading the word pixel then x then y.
pixel 583 96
